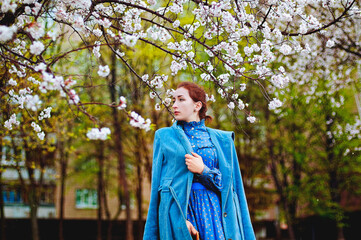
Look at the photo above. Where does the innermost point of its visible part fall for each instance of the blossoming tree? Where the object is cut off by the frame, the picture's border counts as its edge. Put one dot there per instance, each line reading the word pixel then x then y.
pixel 231 44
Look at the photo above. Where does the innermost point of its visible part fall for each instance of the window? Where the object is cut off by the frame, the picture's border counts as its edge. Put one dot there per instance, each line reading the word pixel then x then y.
pixel 47 195
pixel 12 196
pixel 86 198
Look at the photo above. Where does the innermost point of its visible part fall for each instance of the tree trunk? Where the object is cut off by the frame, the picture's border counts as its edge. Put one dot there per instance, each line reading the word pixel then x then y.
pixel 122 178
pixel 63 171
pixel 278 222
pixel 2 215
pixel 333 181
pixel 138 156
pixel 106 208
pixel 33 214
pixel 100 158
pixel 280 185
pixel 33 198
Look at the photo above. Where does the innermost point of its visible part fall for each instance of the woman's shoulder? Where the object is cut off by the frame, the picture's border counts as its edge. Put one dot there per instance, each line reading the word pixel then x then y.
pixel 164 131
pixel 222 133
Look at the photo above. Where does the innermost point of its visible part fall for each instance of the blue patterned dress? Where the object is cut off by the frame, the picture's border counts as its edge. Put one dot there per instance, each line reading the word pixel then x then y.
pixel 204 208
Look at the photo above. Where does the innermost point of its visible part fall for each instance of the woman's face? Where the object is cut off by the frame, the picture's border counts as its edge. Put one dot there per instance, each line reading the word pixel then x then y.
pixel 184 108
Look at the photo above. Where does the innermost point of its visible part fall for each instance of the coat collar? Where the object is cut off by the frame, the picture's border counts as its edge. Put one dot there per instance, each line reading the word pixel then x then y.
pixel 220 144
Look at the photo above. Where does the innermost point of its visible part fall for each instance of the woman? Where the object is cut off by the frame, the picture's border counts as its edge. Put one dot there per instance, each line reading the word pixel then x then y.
pixel 196 182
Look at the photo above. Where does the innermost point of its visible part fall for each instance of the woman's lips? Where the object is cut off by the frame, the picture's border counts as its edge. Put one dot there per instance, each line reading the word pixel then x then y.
pixel 176 112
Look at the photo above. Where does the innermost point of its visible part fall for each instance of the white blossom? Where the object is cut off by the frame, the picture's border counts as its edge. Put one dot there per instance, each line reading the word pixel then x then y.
pixel 98 134
pixel 12 82
pixel 279 80
pixel 176 23
pixel 45 113
pixel 96 49
pixel 53 34
pixel 170 92
pixel 275 103
pixel 6 33
pixel 210 98
pixel 158 81
pixel 183 46
pixel 36 30
pixel 157 106
pixel 129 40
pixel 248 50
pixel 74 98
pixel 8 5
pixel 167 101
pixel 251 119
pixel 231 105
pixel 33 102
pixel 191 55
pixel 97 32
pixel 28 1
pixel 152 2
pixel 205 76
pixel 21 98
pixel 103 71
pixel 40 67
pixel 240 104
pixel 122 103
pixel 285 49
pixel 36 48
pixel 242 86
pixel 41 135
pixel 152 95
pixel 303 28
pixel 137 121
pixel 176 66
pixel 145 77
pixel 223 78
pixel 176 7
pixel 33 80
pixel 330 43
pixel 8 123
pixel 36 127
pixel 61 14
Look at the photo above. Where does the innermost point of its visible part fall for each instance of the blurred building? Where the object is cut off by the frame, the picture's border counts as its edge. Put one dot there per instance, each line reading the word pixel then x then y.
pixel 16 202
pixel 80 198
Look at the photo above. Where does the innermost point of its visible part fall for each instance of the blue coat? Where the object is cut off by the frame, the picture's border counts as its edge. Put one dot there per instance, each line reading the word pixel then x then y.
pixel 172 181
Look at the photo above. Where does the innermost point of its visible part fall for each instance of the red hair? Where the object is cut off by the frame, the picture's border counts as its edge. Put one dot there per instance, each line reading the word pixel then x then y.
pixel 197 94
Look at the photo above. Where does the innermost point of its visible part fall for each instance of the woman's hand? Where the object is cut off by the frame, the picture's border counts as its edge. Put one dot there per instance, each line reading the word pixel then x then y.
pixel 194 163
pixel 191 229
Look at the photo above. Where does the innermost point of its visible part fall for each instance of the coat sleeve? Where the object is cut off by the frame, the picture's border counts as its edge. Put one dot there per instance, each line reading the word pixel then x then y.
pixel 238 186
pixel 151 230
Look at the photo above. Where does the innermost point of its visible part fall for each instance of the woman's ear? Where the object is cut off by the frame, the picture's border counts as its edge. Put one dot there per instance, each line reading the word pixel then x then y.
pixel 199 105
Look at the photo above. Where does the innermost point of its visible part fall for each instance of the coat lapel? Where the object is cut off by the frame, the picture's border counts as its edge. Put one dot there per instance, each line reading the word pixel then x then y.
pixel 188 148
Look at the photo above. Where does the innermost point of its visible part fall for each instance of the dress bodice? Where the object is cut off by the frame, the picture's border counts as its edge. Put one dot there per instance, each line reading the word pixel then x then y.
pixel 201 143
